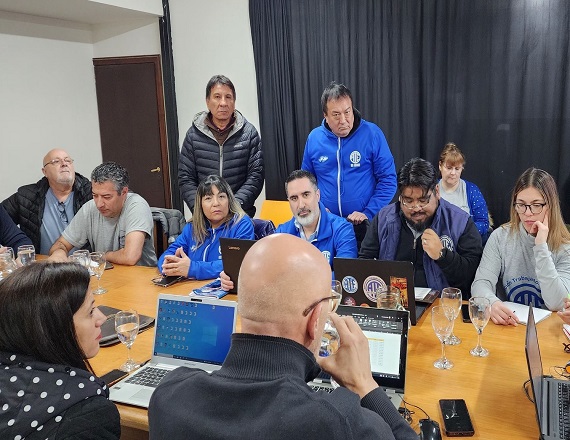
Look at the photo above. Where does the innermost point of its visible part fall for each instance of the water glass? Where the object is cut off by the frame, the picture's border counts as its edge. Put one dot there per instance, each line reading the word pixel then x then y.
pixel 7 263
pixel 451 297
pixel 479 312
pixel 442 323
pixel 98 262
pixel 82 257
pixel 390 299
pixel 26 254
pixel 127 328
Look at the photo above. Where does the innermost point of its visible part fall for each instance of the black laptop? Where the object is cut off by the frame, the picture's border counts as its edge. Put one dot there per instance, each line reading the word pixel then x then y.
pixel 233 250
pixel 551 396
pixel 362 279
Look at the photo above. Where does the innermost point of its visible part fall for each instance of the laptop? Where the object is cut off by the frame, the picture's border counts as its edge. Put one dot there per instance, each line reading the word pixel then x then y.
pixel 108 332
pixel 551 396
pixel 387 333
pixel 190 332
pixel 233 250
pixel 361 279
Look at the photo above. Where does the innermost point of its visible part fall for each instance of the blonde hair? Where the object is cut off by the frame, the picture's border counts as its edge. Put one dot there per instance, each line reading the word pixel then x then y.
pixel 200 222
pixel 452 154
pixel 544 183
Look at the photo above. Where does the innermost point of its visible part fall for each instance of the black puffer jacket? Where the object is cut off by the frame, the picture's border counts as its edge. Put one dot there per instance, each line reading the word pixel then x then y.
pixel 26 206
pixel 239 160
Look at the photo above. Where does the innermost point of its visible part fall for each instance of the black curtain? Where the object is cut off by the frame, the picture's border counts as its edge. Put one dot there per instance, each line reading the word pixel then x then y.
pixel 489 75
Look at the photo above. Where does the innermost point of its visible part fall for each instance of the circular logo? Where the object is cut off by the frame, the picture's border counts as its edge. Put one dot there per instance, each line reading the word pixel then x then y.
pixel 327 255
pixel 447 242
pixel 349 284
pixel 349 301
pixel 355 157
pixel 374 285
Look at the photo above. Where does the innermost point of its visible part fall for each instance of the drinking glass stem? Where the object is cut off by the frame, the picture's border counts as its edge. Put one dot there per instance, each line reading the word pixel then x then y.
pixel 98 283
pixel 479 333
pixel 443 358
pixel 129 360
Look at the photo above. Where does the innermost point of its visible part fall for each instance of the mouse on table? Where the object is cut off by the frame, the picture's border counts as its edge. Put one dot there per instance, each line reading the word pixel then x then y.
pixel 429 430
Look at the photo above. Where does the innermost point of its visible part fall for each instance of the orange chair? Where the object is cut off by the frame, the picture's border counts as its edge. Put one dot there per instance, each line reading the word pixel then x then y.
pixel 277 211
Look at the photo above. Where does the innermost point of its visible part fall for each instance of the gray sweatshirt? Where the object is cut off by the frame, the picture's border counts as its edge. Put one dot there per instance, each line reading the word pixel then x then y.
pixel 514 269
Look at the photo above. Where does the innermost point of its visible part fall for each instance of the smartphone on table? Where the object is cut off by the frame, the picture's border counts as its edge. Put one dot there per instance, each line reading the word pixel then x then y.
pixel 165 281
pixel 113 376
pixel 465 313
pixel 456 419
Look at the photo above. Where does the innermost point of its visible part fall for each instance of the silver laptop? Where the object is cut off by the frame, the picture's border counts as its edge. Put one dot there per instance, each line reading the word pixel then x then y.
pixel 190 332
pixel 387 333
pixel 551 396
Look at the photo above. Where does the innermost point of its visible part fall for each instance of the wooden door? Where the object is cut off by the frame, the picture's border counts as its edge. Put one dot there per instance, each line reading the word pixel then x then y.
pixel 132 123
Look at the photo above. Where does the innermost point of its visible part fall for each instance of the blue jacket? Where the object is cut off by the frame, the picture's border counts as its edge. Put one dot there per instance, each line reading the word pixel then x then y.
pixel 206 260
pixel 334 239
pixel 478 208
pixel 354 173
pixel 448 223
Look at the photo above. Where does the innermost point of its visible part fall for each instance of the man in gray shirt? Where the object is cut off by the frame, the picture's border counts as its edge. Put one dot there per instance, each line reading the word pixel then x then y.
pixel 116 222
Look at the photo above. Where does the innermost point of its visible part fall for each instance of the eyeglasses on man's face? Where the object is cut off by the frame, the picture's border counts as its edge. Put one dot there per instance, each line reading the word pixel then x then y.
pixel 415 204
pixel 535 208
pixel 58 162
pixel 334 302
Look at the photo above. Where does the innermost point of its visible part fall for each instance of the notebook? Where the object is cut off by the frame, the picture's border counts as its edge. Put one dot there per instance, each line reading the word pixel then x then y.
pixel 551 396
pixel 190 332
pixel 361 279
pixel 387 333
pixel 233 250
pixel 521 310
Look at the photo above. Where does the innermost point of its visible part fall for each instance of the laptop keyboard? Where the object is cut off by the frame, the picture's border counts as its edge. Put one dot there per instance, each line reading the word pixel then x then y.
pixel 563 415
pixel 149 377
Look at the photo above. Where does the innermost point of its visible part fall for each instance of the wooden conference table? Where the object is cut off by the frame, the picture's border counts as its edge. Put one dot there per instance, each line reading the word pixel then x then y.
pixel 492 386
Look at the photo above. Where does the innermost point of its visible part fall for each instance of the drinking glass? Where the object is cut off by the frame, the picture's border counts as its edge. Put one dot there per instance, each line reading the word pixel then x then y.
pixel 98 262
pixel 479 312
pixel 7 263
pixel 391 299
pixel 330 340
pixel 81 257
pixel 127 328
pixel 26 254
pixel 451 297
pixel 442 323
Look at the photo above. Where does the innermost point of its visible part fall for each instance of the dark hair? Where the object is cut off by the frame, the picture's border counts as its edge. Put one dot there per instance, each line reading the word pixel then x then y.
pixel 219 79
pixel 301 174
pixel 199 220
pixel 333 92
pixel 417 172
pixel 111 171
pixel 37 304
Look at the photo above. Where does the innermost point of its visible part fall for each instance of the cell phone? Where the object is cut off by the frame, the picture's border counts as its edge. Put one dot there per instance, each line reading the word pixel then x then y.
pixel 165 281
pixel 113 376
pixel 456 419
pixel 465 313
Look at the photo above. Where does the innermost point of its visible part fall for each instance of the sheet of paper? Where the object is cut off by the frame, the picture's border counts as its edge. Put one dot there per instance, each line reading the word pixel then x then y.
pixel 421 292
pixel 521 310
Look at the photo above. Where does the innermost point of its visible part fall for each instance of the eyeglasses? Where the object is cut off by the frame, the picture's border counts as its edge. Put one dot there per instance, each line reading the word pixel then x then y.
pixel 535 208
pixel 422 202
pixel 62 213
pixel 334 302
pixel 67 160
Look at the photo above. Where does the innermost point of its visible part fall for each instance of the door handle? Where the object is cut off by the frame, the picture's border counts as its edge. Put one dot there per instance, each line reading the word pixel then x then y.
pixel 155 170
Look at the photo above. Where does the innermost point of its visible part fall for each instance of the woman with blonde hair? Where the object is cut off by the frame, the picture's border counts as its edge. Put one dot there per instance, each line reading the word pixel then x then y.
pixel 460 192
pixel 217 213
pixel 527 260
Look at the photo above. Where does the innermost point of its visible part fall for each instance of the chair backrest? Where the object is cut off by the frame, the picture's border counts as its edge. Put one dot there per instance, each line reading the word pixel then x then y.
pixel 262 228
pixel 278 211
pixel 168 224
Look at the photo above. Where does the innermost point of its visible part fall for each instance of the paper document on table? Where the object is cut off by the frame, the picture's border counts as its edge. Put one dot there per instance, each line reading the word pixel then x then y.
pixel 421 292
pixel 521 310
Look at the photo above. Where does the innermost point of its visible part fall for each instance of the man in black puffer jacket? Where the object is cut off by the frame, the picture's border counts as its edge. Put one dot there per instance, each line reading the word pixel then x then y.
pixel 44 209
pixel 222 142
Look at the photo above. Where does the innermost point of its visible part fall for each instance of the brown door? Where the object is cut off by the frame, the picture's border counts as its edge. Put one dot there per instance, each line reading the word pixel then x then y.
pixel 132 123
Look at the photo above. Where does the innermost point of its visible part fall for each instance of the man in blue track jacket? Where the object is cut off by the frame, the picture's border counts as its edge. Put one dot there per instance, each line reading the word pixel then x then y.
pixel 351 160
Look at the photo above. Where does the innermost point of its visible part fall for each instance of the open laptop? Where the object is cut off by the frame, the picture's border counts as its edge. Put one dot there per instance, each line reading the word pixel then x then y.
pixel 190 332
pixel 361 279
pixel 387 333
pixel 233 250
pixel 551 396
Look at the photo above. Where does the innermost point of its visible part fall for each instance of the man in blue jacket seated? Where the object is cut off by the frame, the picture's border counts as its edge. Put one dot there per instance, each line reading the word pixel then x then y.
pixel 439 238
pixel 311 221
pixel 351 160
pixel 261 389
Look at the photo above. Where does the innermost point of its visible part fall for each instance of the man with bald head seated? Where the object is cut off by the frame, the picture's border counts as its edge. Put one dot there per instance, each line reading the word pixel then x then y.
pixel 261 389
pixel 45 208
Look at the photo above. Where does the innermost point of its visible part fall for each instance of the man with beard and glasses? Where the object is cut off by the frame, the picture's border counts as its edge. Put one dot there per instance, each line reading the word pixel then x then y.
pixel 439 238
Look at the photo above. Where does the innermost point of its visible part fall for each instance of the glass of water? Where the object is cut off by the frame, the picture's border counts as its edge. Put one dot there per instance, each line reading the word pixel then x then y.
pixel 98 262
pixel 127 328
pixel 330 340
pixel 82 257
pixel 26 254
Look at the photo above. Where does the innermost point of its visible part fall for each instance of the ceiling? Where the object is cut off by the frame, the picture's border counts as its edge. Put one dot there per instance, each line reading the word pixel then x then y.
pixel 81 11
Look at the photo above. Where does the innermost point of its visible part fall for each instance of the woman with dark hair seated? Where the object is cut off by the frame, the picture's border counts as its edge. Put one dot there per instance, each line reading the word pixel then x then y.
pixel 49 327
pixel 217 213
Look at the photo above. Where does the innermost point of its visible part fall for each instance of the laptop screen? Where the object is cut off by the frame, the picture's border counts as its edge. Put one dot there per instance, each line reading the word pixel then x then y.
pixel 534 363
pixel 387 333
pixel 193 331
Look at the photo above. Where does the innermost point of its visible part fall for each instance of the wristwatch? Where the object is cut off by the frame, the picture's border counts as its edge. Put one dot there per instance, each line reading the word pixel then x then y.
pixel 441 253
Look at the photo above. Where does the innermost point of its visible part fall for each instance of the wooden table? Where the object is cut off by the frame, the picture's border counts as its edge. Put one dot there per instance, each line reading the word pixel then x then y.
pixel 492 386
